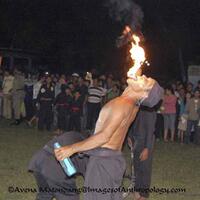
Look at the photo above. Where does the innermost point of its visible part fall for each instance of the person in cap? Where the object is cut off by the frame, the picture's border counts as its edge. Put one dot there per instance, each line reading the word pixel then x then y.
pixel 75 78
pixel 141 138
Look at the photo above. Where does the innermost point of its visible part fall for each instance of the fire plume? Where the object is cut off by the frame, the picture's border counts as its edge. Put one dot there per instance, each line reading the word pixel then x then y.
pixel 137 53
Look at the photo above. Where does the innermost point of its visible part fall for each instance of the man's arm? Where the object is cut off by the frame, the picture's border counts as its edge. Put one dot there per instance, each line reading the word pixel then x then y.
pixel 113 119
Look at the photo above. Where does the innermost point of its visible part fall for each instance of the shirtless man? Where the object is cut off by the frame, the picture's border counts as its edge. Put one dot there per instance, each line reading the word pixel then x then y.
pixel 106 164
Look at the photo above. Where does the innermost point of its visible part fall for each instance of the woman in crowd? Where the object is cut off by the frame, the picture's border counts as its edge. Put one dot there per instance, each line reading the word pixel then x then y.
pixel 169 113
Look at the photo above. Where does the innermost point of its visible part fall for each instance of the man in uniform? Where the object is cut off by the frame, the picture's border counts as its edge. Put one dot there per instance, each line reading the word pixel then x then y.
pixel 106 164
pixel 50 176
pixel 18 95
pixel 7 97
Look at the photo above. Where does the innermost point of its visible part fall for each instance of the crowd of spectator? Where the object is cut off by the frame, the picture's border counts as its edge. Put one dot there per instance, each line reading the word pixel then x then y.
pixel 73 102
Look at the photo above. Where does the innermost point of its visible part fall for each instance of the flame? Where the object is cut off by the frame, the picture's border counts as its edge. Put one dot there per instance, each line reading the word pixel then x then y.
pixel 137 53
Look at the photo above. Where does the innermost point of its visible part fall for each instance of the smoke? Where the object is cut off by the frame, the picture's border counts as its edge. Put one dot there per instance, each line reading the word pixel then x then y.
pixel 126 11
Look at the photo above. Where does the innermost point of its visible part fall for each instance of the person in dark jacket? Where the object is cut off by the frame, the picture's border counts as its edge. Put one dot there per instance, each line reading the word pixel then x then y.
pixel 141 136
pixel 63 103
pixel 46 99
pixel 76 112
pixel 50 176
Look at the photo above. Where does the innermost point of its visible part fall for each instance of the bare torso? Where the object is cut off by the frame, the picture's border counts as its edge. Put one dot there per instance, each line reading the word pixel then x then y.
pixel 128 111
pixel 114 120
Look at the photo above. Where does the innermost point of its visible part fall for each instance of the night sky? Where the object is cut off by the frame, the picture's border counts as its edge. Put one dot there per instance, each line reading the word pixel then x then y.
pixel 80 34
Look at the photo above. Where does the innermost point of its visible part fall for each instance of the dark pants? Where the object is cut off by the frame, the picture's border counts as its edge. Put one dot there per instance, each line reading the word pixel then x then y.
pixel 45 116
pixel 48 189
pixel 75 122
pixel 104 172
pixel 63 119
pixel 93 110
pixel 159 126
pixel 29 108
pixel 191 124
pixel 197 138
pixel 142 169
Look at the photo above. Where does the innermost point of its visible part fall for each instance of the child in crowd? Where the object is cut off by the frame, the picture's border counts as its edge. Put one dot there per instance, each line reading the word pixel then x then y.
pixel 182 125
pixel 76 112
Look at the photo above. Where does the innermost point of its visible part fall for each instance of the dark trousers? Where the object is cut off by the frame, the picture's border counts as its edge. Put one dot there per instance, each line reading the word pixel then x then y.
pixel 191 124
pixel 75 122
pixel 63 119
pixel 93 110
pixel 104 172
pixel 48 189
pixel 142 169
pixel 29 109
pixel 45 116
pixel 197 138
pixel 159 127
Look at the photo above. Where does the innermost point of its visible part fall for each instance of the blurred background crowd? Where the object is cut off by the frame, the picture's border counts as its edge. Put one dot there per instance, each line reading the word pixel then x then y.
pixel 63 102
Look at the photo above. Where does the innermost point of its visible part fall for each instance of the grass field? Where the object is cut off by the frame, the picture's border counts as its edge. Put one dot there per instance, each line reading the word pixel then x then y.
pixel 174 165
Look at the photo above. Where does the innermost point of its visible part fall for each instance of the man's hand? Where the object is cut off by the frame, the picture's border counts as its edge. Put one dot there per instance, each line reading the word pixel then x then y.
pixel 144 155
pixel 64 152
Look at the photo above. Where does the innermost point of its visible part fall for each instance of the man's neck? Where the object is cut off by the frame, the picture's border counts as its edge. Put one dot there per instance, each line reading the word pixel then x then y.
pixel 129 95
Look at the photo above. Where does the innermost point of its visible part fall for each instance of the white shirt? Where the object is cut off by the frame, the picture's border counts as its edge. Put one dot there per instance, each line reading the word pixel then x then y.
pixel 36 89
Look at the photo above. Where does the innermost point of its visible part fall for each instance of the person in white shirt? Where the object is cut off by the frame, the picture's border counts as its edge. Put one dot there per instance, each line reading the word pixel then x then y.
pixel 94 100
pixel 36 89
pixel 7 96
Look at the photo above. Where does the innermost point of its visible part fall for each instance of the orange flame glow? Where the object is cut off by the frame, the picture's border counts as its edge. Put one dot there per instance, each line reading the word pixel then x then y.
pixel 137 54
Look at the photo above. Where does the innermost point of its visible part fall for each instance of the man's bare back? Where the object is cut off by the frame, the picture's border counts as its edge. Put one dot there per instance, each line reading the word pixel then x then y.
pixel 114 120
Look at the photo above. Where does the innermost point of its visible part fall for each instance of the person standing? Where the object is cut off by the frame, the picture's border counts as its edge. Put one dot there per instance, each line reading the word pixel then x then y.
pixel 169 113
pixel 63 103
pixel 36 89
pixel 28 100
pixel 182 124
pixel 94 100
pixel 141 135
pixel 45 99
pixel 18 95
pixel 83 88
pixel 7 95
pixel 192 108
pixel 159 126
pixel 76 112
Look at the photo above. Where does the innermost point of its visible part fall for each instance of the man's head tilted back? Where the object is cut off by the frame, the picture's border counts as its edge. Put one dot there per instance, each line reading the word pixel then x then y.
pixel 149 89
